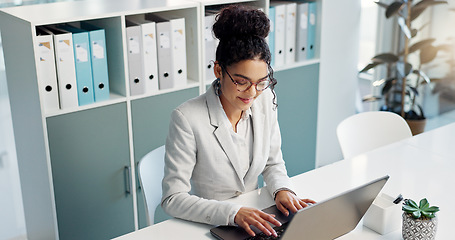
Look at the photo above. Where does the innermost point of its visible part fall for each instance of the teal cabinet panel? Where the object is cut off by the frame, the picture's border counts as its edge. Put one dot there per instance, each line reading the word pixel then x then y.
pixel 297 98
pixel 150 121
pixel 89 151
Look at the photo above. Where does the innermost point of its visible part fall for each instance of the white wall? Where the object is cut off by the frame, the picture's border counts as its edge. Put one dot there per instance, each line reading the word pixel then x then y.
pixel 338 74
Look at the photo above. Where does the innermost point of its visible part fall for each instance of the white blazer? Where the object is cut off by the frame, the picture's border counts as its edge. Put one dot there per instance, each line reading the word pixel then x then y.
pixel 203 167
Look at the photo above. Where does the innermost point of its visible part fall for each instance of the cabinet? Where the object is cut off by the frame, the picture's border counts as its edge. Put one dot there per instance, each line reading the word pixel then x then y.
pixel 78 166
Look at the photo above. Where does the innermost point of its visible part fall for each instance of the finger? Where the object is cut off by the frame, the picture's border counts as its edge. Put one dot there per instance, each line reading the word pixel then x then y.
pixel 309 201
pixel 291 206
pixel 263 226
pixel 282 209
pixel 303 203
pixel 247 228
pixel 271 219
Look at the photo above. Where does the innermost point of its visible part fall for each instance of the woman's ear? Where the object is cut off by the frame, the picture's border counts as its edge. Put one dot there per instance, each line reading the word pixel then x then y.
pixel 217 70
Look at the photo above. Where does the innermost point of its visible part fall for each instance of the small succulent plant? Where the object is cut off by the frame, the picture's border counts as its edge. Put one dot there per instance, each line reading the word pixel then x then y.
pixel 422 211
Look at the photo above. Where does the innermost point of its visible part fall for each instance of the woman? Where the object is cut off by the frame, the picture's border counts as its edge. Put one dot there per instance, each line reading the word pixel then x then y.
pixel 220 142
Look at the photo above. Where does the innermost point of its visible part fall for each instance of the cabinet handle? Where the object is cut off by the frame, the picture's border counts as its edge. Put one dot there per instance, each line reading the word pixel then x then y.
pixel 126 171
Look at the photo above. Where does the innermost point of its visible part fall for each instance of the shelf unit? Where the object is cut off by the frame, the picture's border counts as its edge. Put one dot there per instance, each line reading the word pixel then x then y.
pixel 78 166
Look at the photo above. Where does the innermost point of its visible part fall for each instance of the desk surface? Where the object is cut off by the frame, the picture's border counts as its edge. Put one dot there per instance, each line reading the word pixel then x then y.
pixel 421 166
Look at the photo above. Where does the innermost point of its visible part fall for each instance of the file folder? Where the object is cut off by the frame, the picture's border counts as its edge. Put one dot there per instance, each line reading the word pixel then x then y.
pixel 47 75
pixel 280 30
pixel 66 72
pixel 83 64
pixel 301 32
pixel 290 38
pixel 149 53
pixel 178 41
pixel 312 14
pixel 98 56
pixel 271 36
pixel 211 44
pixel 135 67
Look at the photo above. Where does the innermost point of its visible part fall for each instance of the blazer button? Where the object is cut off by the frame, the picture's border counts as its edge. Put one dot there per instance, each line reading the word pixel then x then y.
pixel 208 218
pixel 237 193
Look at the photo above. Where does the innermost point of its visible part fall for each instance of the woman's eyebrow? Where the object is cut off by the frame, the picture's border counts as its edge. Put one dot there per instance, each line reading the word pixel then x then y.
pixel 242 76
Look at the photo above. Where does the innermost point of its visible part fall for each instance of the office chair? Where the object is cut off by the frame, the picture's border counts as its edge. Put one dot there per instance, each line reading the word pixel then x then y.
pixel 369 130
pixel 151 173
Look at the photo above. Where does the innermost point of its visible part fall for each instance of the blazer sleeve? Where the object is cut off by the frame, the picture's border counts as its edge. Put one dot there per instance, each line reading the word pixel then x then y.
pixel 180 160
pixel 274 173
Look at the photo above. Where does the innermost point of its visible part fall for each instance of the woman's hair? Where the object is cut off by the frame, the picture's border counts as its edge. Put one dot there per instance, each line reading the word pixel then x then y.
pixel 242 31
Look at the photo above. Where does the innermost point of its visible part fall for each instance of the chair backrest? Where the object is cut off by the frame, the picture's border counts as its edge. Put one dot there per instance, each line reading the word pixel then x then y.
pixel 369 130
pixel 151 173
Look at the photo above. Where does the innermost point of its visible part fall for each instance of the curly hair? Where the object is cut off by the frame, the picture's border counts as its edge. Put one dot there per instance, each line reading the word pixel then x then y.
pixel 242 31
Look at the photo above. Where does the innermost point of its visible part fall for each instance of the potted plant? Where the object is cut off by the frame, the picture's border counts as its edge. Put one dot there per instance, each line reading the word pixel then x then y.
pixel 419 221
pixel 401 85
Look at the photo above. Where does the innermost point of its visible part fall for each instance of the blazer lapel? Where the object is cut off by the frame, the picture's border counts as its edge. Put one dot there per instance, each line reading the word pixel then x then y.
pixel 222 132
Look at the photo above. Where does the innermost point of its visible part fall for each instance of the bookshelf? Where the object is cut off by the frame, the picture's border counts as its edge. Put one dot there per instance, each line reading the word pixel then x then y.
pixel 76 164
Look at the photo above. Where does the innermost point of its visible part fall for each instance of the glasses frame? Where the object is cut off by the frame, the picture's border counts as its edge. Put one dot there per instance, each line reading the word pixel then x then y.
pixel 251 83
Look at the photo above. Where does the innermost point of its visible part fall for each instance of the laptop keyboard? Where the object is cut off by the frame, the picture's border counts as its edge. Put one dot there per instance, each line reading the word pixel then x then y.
pixel 279 231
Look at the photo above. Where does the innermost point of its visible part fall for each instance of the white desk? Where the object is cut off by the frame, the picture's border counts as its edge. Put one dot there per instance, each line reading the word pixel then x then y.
pixel 422 166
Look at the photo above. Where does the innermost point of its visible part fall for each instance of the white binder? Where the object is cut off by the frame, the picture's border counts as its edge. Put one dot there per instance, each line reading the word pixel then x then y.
pixel 280 30
pixel 135 68
pixel 291 11
pixel 47 75
pixel 178 41
pixel 210 44
pixel 301 32
pixel 149 53
pixel 66 70
pixel 165 63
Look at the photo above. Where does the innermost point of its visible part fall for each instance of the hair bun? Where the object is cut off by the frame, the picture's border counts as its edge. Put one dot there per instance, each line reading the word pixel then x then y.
pixel 241 22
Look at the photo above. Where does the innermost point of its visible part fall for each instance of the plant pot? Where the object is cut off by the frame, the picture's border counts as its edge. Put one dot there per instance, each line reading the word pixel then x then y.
pixel 417 126
pixel 419 229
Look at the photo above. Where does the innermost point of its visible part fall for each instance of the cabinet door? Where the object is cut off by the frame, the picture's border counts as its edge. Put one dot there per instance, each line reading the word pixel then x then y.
pixel 297 98
pixel 89 153
pixel 150 117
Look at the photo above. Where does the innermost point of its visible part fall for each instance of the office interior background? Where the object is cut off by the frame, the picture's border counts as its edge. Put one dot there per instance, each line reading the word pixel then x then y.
pixel 345 50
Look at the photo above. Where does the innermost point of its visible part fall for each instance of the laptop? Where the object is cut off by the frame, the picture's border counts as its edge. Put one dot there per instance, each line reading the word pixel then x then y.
pixel 327 219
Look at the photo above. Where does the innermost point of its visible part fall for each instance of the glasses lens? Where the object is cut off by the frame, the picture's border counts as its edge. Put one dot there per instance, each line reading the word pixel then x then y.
pixel 243 85
pixel 263 85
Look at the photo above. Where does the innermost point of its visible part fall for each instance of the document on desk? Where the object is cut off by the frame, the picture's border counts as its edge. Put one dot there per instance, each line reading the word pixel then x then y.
pixel 47 78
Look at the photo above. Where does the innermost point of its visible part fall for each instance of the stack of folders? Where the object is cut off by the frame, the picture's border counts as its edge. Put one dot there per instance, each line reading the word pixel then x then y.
pixel 156 53
pixel 210 44
pixel 292 33
pixel 72 66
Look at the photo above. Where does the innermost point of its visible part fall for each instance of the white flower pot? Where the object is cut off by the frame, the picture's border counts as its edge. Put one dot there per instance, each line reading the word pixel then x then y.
pixel 418 229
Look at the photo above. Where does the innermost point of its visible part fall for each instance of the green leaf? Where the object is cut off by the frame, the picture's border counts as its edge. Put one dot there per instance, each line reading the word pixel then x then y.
pixel 418 45
pixel 393 8
pixel 420 7
pixel 409 209
pixel 371 98
pixel 427 54
pixel 432 209
pixel 417 214
pixel 370 66
pixel 381 4
pixel 414 32
pixel 385 57
pixel 411 203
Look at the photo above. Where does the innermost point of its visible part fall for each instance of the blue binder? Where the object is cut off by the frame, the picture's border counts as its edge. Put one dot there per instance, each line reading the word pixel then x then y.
pixel 272 35
pixel 312 17
pixel 83 65
pixel 98 56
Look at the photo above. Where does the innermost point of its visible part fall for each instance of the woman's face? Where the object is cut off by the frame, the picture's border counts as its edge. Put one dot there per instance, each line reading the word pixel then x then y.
pixel 234 101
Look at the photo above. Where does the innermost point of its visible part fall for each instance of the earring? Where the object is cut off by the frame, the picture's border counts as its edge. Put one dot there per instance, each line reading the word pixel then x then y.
pixel 217 86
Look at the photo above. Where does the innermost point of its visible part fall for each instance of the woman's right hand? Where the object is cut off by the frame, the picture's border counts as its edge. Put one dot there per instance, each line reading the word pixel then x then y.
pixel 246 217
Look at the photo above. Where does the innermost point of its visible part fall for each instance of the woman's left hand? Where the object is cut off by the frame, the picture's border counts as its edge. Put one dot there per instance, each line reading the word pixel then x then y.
pixel 287 201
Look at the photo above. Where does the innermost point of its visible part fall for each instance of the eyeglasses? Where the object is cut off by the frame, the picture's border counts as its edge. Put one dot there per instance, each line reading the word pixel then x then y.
pixel 244 84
